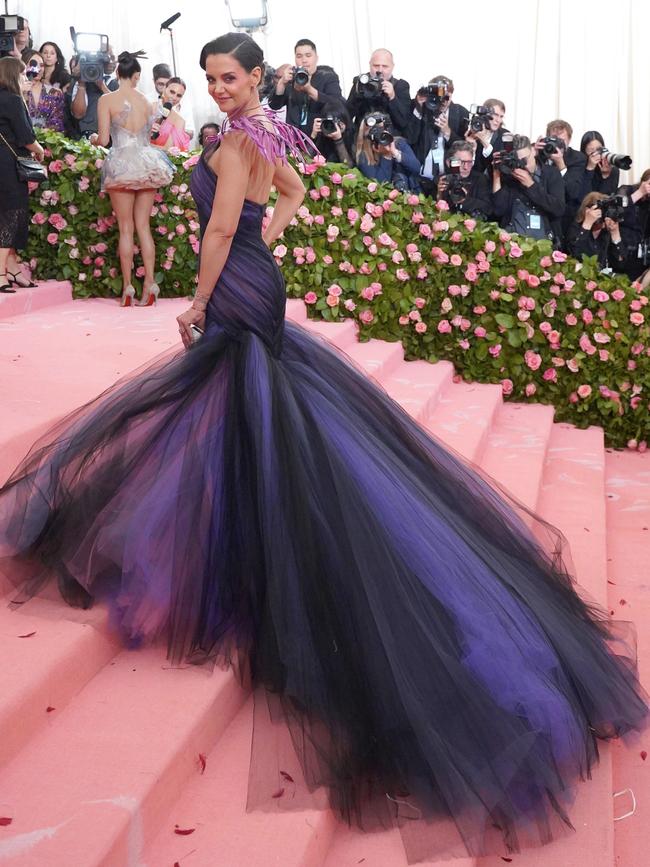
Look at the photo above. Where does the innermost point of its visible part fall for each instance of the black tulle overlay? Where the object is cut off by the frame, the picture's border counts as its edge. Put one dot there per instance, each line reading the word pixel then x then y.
pixel 419 651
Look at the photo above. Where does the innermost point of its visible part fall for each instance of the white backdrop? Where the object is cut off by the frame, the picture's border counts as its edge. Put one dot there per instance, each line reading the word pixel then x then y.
pixel 584 60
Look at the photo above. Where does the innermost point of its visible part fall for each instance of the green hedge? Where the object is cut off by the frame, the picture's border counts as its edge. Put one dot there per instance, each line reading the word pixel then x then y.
pixel 503 309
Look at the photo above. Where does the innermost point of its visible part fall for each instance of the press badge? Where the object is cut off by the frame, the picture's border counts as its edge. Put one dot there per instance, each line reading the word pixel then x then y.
pixel 534 221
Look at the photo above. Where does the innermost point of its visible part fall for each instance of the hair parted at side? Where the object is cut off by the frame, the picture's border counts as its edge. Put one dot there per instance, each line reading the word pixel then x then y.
pixel 240 45
pixel 127 63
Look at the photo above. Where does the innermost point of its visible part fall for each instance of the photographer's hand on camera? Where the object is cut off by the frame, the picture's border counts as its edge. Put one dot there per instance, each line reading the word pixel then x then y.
pixel 284 76
pixel 642 192
pixel 523 177
pixel 387 89
pixel 614 230
pixel 592 216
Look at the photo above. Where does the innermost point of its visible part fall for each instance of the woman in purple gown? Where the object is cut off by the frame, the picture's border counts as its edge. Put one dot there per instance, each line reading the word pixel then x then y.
pixel 257 501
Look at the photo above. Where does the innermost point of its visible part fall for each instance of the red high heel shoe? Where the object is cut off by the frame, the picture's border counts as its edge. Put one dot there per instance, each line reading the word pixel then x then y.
pixel 127 297
pixel 149 296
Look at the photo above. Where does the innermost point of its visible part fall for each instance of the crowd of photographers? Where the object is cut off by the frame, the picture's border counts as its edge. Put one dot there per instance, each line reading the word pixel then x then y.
pixel 428 143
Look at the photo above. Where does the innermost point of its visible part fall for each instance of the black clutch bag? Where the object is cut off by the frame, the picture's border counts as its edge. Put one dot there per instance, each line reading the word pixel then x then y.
pixel 27 169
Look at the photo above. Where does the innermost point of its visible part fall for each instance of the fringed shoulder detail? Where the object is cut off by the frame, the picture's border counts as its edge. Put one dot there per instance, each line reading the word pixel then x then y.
pixel 281 141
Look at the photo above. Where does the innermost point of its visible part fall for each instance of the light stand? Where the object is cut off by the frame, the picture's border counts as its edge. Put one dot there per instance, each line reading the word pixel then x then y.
pixel 166 25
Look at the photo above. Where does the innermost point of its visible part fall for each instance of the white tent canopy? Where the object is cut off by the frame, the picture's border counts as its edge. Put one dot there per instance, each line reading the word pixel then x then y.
pixel 582 61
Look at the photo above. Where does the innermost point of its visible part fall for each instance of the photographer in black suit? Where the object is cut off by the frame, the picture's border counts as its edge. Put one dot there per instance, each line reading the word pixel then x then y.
pixel 635 227
pixel 489 137
pixel 527 198
pixel 304 88
pixel 555 149
pixel 436 122
pixel 379 90
pixel 596 232
pixel 465 189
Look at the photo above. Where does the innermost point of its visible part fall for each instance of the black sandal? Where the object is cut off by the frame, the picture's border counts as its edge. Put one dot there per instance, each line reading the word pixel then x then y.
pixel 13 281
pixel 6 289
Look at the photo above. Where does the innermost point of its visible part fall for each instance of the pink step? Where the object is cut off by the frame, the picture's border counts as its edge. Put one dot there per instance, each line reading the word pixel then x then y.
pixel 215 804
pixel 417 386
pixel 515 449
pixel 296 310
pixel 341 334
pixel 48 293
pixel 377 358
pixel 385 849
pixel 627 486
pixel 93 786
pixel 572 498
pixel 49 653
pixel 464 415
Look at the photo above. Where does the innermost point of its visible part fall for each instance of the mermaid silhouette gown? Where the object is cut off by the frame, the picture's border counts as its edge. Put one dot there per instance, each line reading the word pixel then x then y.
pixel 258 501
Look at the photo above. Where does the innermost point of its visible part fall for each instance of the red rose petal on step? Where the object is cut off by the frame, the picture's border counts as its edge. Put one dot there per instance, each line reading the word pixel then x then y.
pixel 286 776
pixel 183 831
pixel 49 709
pixel 278 794
pixel 609 581
pixel 509 860
pixel 28 634
pixel 622 602
pixel 643 755
pixel 5 820
pixel 202 762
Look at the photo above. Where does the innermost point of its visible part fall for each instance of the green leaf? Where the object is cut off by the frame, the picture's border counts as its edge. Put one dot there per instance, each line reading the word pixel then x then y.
pixel 505 320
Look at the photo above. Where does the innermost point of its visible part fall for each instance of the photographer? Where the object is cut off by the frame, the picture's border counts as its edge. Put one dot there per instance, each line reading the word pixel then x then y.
pixel 598 174
pixel 554 149
pixel 487 138
pixel 596 232
pixel 635 226
pixel 378 90
pixel 465 189
pixel 86 94
pixel 435 123
pixel 45 103
pixel 383 157
pixel 527 198
pixel 304 88
pixel 332 134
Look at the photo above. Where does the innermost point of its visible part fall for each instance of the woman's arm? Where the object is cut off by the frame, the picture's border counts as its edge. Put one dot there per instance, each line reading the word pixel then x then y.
pixel 103 134
pixel 291 192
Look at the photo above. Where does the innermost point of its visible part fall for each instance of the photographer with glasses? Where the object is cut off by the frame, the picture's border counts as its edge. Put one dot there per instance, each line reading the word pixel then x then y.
pixel 378 90
pixel 596 231
pixel 384 157
pixel 465 189
pixel 332 134
pixel 527 198
pixel 305 88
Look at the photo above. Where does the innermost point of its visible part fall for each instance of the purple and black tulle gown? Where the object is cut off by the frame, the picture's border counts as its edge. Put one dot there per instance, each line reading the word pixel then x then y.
pixel 260 502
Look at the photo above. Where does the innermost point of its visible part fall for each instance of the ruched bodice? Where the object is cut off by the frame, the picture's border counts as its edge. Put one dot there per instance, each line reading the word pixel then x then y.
pixel 250 293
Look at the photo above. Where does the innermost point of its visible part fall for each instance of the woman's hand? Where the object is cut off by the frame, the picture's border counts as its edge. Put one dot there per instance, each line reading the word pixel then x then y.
pixel 192 316
pixel 592 215
pixel 93 138
pixel 594 159
pixel 614 230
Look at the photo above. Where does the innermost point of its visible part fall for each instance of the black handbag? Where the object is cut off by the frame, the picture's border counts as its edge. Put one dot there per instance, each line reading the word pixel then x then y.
pixel 27 169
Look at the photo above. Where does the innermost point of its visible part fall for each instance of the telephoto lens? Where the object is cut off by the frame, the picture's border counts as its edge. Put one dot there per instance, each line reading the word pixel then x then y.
pixel 300 76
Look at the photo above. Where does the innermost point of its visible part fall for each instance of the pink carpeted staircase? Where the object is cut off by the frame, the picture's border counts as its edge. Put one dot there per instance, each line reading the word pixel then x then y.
pixel 106 754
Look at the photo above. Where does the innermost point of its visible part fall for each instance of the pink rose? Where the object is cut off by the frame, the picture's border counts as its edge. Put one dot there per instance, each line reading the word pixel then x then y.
pixel 550 374
pixel 464 344
pixel 546 261
pixel 444 327
pixel 603 354
pixel 404 320
pixel 397 257
pixel 532 359
pixel 469 224
pixel 385 239
pixel 531 388
pixel 415 315
pixel 335 290
pixel 353 215
pixel 479 331
pixel 495 350
pixel 441 205
pixel 402 275
pixel 332 301
pixel 515 252
pixel 523 315
pixel 280 251
pixel 570 319
pixel 314 195
pixel 83 184
pixel 507 386
pixel 39 218
pixel 349 305
pixel 167 264
pixel 584 391
pixel 558 256
pixel 57 166
pixel 440 226
pixel 422 273
pixel 425 231
pixel 53 238
pixel 489 246
pixel 618 294
pixel 635 318
pixel 372 187
pixel 412 200
pixel 366 316
pixel 332 232
pixel 587 317
pixel 599 337
pixel 533 281
pixel 336 178
pixel 553 336
pixel 456 237
pixel 336 211
pixel 455 260
pixel 446 305
pixel 601 296
pixel 311 298
pixel 420 327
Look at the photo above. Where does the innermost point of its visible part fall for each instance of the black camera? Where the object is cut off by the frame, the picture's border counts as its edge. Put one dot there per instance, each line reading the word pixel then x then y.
pixel 456 191
pixel 300 76
pixel 552 145
pixel 10 25
pixel 369 85
pixel 329 123
pixel 620 161
pixel 91 51
pixel 612 208
pixel 509 161
pixel 437 97
pixel 378 137
pixel 32 70
pixel 480 117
